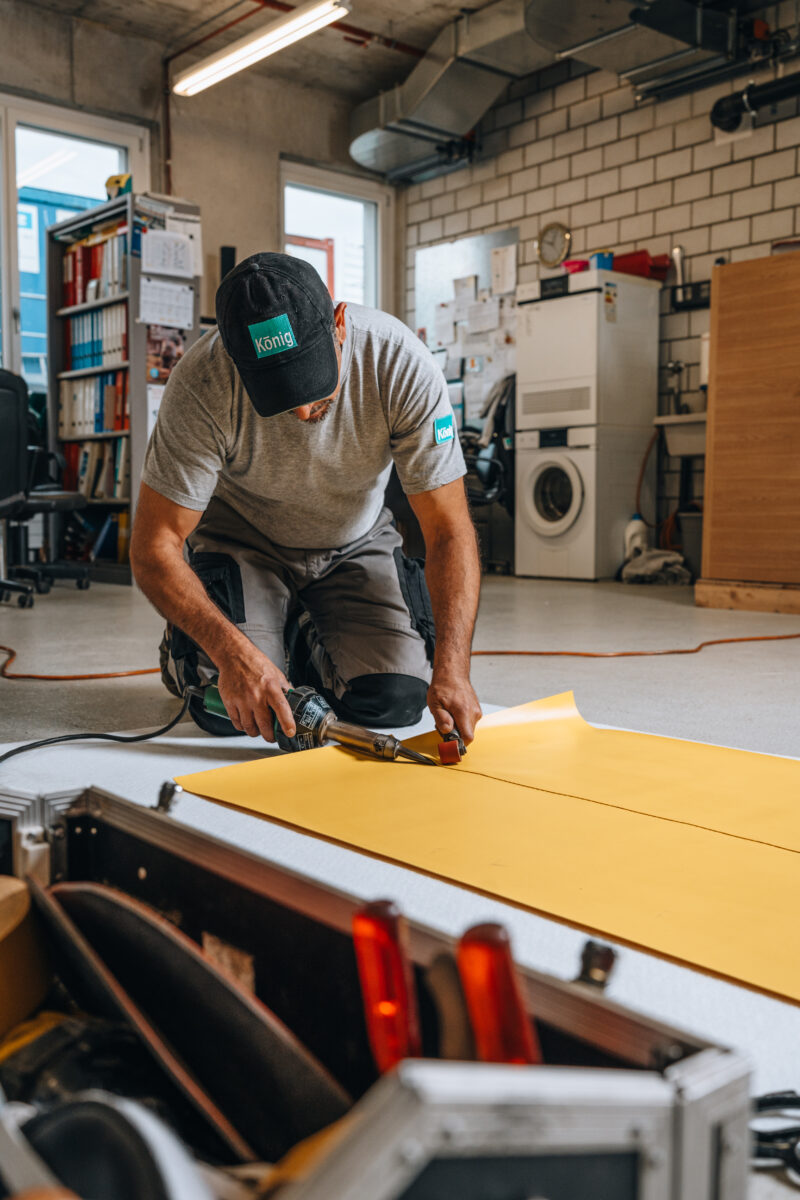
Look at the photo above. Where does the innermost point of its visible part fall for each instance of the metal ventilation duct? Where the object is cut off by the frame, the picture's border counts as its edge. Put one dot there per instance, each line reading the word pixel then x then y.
pixel 424 123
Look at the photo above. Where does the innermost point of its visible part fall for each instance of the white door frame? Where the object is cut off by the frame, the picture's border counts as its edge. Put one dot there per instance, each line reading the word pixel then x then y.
pixel 13 112
pixel 343 184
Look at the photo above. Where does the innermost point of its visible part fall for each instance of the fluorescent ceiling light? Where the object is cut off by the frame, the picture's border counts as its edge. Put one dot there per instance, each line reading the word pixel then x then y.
pixel 299 23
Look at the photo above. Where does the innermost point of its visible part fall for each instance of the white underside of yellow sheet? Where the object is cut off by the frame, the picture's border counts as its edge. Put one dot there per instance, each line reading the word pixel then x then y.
pixel 687 850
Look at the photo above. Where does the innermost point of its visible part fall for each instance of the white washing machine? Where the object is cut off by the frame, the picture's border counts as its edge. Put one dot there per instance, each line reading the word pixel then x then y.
pixel 574 499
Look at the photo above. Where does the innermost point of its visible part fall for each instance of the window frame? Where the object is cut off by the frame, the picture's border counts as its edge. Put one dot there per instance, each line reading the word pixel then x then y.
pixel 16 111
pixel 354 187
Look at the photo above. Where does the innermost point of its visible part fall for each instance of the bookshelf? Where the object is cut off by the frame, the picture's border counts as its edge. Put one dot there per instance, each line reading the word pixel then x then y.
pixel 118 311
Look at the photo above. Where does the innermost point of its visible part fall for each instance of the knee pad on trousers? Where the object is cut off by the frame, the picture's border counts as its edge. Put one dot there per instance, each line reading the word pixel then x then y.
pixel 383 700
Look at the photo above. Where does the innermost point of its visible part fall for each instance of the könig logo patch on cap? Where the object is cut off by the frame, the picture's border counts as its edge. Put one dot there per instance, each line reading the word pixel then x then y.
pixel 272 336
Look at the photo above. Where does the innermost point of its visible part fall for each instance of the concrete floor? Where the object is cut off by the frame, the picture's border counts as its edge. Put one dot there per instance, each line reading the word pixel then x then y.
pixel 743 695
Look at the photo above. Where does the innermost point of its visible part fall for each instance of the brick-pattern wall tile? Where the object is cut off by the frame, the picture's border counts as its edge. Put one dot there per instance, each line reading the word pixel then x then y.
pixel 752 200
pixel 636 229
pixel 538 152
pixel 511 209
pixel 444 204
pixel 418 212
pixel 619 152
pixel 496 189
pixel 774 166
pixel 602 132
pixel 679 162
pixel 670 220
pixel 692 187
pixel 640 120
pixel 552 123
pixel 787 192
pixel 455 224
pixel 525 181
pixel 730 179
pixel 706 212
pixel 658 195
pixel 638 174
pixel 603 184
pixel 621 100
pixel 585 112
pixel 588 162
pixel 689 133
pixel 554 172
pixel 572 192
pixel 570 142
pixel 730 234
pixel 658 141
pixel 711 154
pixel 773 225
pixel 621 204
pixel 589 213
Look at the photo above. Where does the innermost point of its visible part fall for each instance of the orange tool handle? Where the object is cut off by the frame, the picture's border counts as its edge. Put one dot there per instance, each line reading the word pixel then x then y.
pixel 380 937
pixel 503 1031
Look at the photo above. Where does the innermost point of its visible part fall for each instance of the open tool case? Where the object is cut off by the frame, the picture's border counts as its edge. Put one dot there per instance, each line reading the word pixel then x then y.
pixel 625 1109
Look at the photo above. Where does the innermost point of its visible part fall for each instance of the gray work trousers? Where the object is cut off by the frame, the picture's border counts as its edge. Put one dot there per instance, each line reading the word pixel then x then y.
pixel 355 623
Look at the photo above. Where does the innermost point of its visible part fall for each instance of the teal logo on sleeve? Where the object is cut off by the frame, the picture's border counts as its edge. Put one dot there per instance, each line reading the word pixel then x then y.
pixel 444 430
pixel 272 336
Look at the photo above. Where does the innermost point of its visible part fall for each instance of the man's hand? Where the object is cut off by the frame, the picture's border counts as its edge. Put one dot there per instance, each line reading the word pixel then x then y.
pixel 252 690
pixel 453 703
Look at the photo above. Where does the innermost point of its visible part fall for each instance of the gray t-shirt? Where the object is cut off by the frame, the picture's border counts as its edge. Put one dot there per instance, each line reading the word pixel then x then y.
pixel 306 485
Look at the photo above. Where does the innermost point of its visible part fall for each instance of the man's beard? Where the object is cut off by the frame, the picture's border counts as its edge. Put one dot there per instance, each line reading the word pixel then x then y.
pixel 319 412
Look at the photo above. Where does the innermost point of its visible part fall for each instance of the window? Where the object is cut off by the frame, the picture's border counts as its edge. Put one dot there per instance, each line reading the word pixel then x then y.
pixel 53 164
pixel 56 176
pixel 342 226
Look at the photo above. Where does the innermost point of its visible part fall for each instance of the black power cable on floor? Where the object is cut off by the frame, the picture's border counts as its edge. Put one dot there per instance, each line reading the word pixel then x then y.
pixel 105 737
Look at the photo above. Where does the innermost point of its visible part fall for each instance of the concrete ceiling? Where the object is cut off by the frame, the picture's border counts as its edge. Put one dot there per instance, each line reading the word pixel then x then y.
pixel 327 59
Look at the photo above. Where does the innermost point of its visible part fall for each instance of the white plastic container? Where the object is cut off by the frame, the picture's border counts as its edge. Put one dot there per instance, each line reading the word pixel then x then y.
pixel 636 539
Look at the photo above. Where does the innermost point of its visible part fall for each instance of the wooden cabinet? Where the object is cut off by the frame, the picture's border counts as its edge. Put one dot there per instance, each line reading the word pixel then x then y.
pixel 751 526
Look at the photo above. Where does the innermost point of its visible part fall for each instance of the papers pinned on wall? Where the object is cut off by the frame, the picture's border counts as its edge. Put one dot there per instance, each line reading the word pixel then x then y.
pixel 162 303
pixel 444 329
pixel 504 270
pixel 191 228
pixel 483 316
pixel 167 253
pixel 465 291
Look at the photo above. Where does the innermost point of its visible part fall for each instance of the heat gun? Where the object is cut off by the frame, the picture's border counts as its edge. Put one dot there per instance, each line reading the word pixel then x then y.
pixel 316 723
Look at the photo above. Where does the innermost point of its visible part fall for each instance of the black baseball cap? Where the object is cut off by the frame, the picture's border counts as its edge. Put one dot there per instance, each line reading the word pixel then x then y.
pixel 275 318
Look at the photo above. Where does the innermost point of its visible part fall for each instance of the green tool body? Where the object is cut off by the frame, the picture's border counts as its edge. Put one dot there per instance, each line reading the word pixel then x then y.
pixel 316 723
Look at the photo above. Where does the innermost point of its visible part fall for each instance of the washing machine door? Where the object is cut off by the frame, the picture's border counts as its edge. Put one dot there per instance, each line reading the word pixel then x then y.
pixel 553 495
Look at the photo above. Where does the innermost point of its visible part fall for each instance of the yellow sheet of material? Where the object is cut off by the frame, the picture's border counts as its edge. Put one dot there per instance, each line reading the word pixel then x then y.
pixel 679 848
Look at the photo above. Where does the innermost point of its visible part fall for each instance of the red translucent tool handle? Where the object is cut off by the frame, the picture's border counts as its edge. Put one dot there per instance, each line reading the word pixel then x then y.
pixel 380 936
pixel 503 1031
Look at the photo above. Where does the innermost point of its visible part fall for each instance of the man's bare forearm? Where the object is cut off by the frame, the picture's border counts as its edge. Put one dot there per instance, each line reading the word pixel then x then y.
pixel 452 571
pixel 172 587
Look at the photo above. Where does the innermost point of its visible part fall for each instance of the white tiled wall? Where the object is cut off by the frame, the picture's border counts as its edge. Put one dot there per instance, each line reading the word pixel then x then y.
pixel 578 150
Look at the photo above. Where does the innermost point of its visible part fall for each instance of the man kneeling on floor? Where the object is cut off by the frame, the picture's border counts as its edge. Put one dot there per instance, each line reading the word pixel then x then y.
pixel 261 533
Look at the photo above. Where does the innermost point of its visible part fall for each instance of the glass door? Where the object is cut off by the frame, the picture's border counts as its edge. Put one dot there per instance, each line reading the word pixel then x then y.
pixel 57 175
pixel 53 165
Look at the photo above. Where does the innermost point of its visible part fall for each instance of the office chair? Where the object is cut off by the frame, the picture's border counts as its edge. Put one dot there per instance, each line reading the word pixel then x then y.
pixel 19 502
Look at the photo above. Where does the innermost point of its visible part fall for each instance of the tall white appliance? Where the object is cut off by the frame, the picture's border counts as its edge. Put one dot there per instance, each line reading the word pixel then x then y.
pixel 587 392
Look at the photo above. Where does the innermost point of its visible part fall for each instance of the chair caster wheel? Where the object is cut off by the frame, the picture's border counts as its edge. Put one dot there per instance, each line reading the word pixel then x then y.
pixel 82 584
pixel 43 586
pixel 25 600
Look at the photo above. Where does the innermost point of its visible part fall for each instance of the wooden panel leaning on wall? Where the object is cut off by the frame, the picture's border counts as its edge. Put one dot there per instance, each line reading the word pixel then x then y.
pixel 751 525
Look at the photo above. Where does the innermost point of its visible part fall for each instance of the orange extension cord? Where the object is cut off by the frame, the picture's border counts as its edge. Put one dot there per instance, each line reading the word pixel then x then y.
pixel 777 637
